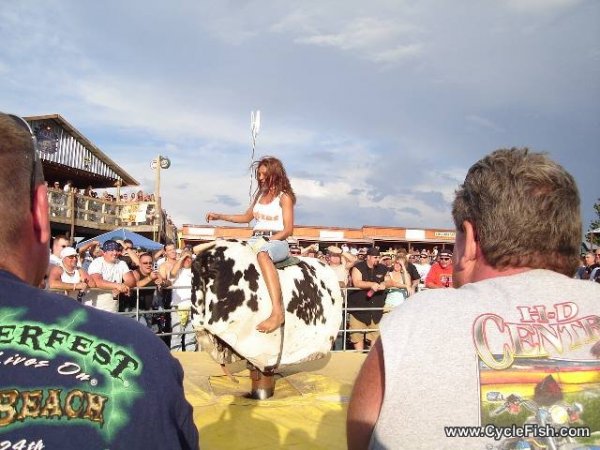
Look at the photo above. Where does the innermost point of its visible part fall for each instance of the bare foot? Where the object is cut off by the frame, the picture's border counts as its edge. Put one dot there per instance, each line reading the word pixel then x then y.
pixel 269 325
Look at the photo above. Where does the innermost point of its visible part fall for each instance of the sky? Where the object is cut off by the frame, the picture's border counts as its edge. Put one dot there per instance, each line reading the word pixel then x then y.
pixel 377 109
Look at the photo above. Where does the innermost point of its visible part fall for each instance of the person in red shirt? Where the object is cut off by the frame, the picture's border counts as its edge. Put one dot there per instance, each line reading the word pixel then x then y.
pixel 440 274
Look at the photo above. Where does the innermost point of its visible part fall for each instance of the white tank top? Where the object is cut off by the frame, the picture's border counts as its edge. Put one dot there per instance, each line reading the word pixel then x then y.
pixel 268 217
pixel 74 277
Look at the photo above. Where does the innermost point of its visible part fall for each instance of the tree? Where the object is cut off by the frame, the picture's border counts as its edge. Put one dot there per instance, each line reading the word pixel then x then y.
pixel 594 225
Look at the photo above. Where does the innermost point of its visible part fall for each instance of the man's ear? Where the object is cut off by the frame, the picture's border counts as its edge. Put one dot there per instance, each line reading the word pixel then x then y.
pixel 40 215
pixel 470 235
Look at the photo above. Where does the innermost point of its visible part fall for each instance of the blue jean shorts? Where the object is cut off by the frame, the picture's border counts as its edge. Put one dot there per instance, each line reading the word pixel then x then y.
pixel 277 250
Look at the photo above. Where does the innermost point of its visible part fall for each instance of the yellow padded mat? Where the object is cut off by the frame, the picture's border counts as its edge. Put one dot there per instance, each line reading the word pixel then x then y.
pixel 307 411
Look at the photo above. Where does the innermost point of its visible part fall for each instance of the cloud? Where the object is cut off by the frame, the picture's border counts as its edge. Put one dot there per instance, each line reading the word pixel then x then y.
pixel 482 122
pixel 376 111
pixel 540 6
pixel 225 200
pixel 380 41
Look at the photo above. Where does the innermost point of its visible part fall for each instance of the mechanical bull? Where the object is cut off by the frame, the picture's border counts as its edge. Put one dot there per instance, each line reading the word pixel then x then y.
pixel 230 298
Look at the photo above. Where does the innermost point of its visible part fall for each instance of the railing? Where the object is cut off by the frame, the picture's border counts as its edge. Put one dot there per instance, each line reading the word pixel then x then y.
pixel 80 210
pixel 140 314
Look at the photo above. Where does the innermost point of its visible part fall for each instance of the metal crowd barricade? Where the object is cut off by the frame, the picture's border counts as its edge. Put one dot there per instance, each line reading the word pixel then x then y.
pixel 137 312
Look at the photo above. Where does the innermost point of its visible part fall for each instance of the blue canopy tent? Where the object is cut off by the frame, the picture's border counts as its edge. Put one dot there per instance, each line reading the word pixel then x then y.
pixel 122 234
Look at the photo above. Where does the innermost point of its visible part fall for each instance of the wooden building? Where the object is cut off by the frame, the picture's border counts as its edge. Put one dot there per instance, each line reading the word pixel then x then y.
pixel 67 155
pixel 385 238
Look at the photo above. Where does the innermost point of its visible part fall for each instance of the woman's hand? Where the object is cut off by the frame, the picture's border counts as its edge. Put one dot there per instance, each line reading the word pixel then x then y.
pixel 212 216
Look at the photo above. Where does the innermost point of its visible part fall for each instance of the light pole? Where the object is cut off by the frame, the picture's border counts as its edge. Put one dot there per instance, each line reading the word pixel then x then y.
pixel 160 162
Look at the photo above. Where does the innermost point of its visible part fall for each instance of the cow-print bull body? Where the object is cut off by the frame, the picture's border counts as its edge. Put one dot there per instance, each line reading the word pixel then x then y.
pixel 230 298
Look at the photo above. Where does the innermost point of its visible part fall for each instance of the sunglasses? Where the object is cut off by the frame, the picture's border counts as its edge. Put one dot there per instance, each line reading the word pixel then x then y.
pixel 22 123
pixel 444 259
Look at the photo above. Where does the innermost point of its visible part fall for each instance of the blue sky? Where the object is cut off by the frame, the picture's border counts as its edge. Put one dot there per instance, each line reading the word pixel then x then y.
pixel 376 108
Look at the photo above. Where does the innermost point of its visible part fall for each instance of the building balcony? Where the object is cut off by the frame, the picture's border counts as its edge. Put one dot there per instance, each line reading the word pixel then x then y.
pixel 89 216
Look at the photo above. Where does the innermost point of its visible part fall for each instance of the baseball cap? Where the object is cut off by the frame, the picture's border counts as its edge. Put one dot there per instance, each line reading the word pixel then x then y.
pixel 445 253
pixel 67 251
pixel 334 250
pixel 373 251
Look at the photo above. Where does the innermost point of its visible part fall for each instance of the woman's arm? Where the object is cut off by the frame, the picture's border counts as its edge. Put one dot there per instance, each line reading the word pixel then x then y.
pixel 235 218
pixel 287 206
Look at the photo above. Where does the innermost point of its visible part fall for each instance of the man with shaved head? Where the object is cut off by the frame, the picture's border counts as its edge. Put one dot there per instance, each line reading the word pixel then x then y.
pixel 71 377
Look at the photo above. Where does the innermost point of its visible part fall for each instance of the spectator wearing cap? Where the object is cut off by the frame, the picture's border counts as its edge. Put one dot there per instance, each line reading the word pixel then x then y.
pixel 368 277
pixel 423 265
pixel 74 280
pixel 341 262
pixel 440 274
pixel 361 254
pixel 110 274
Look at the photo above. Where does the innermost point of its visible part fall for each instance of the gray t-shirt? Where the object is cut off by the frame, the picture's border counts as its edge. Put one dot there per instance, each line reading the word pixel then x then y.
pixel 457 357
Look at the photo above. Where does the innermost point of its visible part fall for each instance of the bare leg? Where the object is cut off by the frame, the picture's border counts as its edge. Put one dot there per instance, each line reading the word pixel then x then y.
pixel 360 346
pixel 269 271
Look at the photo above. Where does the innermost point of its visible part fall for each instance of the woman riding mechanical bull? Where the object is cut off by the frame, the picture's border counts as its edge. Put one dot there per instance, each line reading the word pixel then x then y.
pixel 273 209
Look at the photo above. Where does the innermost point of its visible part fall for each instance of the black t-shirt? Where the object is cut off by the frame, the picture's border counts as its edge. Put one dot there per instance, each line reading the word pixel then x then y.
pixel 129 262
pixel 358 298
pixel 74 377
pixel 412 271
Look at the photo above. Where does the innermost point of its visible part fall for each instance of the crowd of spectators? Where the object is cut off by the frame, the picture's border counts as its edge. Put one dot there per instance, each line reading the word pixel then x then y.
pixel 139 196
pixel 154 288
pixel 376 281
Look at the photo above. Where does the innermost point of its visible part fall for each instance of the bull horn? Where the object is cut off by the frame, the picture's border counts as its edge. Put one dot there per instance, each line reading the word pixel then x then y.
pixel 203 247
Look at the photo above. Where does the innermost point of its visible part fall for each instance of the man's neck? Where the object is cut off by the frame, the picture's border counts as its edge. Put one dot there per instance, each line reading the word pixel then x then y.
pixel 484 272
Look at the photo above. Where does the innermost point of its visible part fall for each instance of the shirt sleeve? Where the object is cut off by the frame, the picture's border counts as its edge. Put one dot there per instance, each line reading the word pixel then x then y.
pixel 95 267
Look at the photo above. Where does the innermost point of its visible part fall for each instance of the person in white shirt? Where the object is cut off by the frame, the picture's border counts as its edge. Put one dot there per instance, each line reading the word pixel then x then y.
pixel 74 280
pixel 109 273
pixel 58 244
pixel 423 265
pixel 181 274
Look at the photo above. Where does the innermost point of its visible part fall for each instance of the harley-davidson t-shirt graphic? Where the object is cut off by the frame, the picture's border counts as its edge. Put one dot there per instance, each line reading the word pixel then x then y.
pixel 533 393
